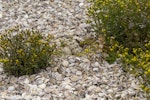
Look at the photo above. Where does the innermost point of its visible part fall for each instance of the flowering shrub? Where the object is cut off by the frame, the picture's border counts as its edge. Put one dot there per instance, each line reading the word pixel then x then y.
pixel 128 21
pixel 137 62
pixel 24 53
pixel 125 25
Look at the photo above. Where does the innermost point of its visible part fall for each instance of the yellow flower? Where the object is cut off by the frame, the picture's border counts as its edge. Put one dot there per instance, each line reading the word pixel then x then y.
pixel 111 49
pixel 134 59
pixel 32 60
pixel 134 50
pixel 87 50
pixel 146 72
pixel 17 61
pixel 35 55
pixel 103 30
pixel 42 41
pixel 19 51
pixel 106 16
pixel 138 10
pixel 126 49
pixel 4 60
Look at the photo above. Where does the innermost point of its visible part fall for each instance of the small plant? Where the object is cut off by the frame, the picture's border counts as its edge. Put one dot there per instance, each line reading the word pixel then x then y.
pixel 91 46
pixel 25 52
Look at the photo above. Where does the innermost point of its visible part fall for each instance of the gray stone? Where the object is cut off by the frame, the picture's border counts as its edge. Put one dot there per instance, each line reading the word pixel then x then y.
pixel 58 76
pixel 11 88
pixel 76 50
pixel 1 79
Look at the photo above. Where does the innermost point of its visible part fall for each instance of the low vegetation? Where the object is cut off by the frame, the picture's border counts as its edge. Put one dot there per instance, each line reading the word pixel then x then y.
pixel 25 52
pixel 125 26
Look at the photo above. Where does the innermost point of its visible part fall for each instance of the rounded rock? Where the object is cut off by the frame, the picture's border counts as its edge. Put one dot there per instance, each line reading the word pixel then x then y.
pixel 42 86
pixel 65 63
pixel 11 88
pixel 66 51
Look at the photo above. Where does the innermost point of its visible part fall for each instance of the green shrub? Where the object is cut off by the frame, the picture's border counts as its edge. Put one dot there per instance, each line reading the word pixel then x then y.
pixel 26 52
pixel 125 25
pixel 128 21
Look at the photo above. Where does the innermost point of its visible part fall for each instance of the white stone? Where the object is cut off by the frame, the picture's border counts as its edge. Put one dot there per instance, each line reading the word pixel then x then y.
pixel 110 91
pixel 81 4
pixel 32 87
pixel 40 80
pixel 28 97
pixel 95 69
pixel 66 51
pixel 15 97
pixel 11 88
pixel 124 94
pixel 41 94
pixel 1 69
pixel 68 70
pixel 24 94
pixel 86 60
pixel 92 88
pixel 1 15
pixel 47 90
pixel 37 98
pixel 101 94
pixel 58 76
pixel 65 63
pixel 26 81
pixel 96 64
pixel 68 87
pixel 131 92
pixel 79 73
pixel 74 78
pixel 42 86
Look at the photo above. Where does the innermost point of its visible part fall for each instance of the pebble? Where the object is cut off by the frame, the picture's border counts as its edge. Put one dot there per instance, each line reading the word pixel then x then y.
pixel 101 94
pixel 66 51
pixel 58 76
pixel 81 4
pixel 96 64
pixel 1 69
pixel 42 86
pixel 65 63
pixel 74 78
pixel 95 69
pixel 11 88
pixel 26 81
pixel 79 73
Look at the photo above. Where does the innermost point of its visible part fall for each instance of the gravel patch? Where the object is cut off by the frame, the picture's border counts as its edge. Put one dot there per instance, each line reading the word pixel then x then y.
pixel 70 77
